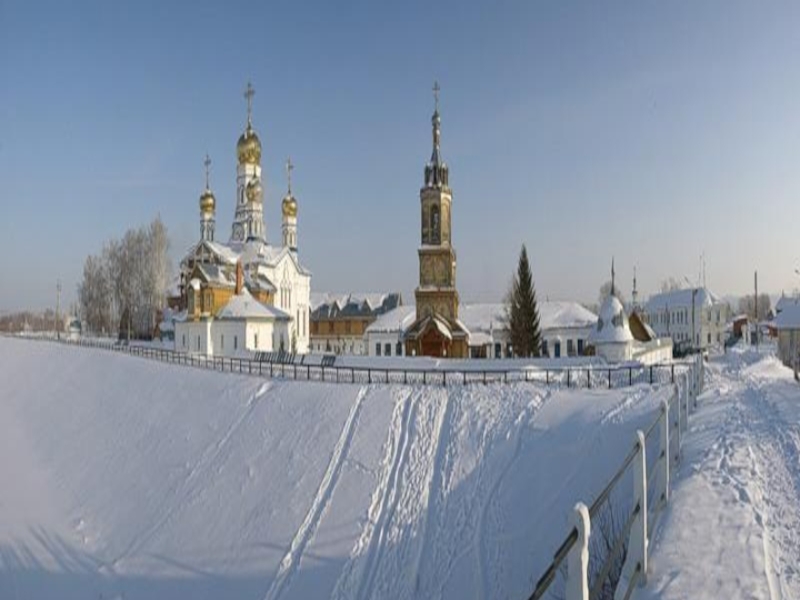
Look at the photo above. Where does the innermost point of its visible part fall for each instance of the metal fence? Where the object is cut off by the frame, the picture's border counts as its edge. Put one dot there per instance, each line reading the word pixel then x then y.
pixel 629 542
pixel 588 376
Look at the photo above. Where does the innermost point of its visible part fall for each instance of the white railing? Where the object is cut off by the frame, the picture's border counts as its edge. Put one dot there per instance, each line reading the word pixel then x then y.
pixel 631 541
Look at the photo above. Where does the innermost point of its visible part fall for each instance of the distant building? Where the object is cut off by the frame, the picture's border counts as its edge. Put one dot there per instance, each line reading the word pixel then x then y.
pixel 564 326
pixel 670 314
pixel 787 323
pixel 338 323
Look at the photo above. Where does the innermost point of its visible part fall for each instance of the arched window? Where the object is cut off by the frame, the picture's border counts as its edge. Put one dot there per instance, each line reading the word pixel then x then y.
pixel 435 225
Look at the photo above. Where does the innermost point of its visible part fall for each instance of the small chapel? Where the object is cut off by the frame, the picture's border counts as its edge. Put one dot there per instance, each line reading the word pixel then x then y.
pixel 437 330
pixel 247 292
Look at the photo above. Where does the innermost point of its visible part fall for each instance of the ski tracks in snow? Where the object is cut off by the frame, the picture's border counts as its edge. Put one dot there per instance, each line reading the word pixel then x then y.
pixel 308 528
pixel 386 557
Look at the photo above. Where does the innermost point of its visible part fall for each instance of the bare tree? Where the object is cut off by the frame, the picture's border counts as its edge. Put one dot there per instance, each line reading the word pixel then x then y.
pixel 605 289
pixel 670 284
pixel 747 306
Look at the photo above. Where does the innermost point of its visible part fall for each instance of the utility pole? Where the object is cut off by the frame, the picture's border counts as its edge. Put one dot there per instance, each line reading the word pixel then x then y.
pixel 58 307
pixel 756 305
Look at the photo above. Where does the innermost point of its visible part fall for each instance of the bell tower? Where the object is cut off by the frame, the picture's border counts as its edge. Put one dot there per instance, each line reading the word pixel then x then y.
pixel 437 330
pixel 248 221
pixel 437 257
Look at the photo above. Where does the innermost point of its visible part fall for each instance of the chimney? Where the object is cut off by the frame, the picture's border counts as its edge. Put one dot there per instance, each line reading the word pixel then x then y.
pixel 239 277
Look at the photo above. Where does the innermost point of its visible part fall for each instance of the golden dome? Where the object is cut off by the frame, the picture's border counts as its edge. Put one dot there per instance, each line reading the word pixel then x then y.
pixel 254 191
pixel 207 201
pixel 289 206
pixel 248 149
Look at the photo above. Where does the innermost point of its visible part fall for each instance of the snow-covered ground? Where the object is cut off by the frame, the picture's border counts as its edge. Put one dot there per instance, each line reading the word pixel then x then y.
pixel 127 478
pixel 732 528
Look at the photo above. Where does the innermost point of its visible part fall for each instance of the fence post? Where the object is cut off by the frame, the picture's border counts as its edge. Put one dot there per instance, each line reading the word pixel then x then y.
pixel 444 378
pixel 588 378
pixel 369 375
pixel 663 478
pixel 567 377
pixel 636 560
pixel 672 373
pixel 651 374
pixel 577 584
pixel 609 379
pixel 686 400
pixel 678 432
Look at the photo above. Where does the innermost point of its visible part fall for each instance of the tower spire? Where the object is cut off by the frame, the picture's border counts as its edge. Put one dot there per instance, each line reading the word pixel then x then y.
pixel 248 94
pixel 612 277
pixel 436 174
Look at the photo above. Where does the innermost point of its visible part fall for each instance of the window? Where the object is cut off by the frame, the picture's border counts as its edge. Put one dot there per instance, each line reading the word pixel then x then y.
pixel 330 326
pixel 255 340
pixel 387 349
pixel 222 342
pixel 399 349
pixel 183 340
pixel 709 338
pixel 377 349
pixel 498 350
pixel 570 347
pixel 198 343
pixel 235 343
pixel 580 347
pixel 348 326
pixel 544 348
pixel 557 350
pixel 435 238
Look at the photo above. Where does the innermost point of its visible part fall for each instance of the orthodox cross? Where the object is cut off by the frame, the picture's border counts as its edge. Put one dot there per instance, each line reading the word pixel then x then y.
pixel 248 94
pixel 436 90
pixel 289 169
pixel 612 276
pixel 207 163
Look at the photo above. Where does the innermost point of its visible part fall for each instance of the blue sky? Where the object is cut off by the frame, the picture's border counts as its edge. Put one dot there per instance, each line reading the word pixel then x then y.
pixel 651 131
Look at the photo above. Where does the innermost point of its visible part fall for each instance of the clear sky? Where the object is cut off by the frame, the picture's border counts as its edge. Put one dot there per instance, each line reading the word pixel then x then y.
pixel 651 131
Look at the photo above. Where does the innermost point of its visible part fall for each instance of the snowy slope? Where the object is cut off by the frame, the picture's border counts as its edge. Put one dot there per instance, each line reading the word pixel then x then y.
pixel 129 478
pixel 732 528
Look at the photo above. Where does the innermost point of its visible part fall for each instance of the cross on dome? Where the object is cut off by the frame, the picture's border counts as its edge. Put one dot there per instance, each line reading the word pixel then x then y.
pixel 248 94
pixel 289 169
pixel 436 90
pixel 207 163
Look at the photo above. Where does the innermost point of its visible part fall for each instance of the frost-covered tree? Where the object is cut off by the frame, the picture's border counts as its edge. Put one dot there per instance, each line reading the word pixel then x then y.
pixel 522 313
pixel 747 306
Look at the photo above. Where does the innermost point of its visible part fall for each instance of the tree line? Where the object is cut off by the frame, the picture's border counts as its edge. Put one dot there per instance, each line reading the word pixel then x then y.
pixel 125 286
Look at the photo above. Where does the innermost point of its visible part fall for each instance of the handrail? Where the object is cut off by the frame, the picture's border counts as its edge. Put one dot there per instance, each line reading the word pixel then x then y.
pixel 606 569
pixel 559 556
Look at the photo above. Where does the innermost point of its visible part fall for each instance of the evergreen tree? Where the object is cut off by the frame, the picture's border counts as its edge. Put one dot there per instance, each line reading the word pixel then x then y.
pixel 522 314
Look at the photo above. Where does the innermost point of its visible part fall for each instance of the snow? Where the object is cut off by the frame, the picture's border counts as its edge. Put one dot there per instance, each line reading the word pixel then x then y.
pixel 732 527
pixel 244 306
pixel 612 324
pixel 130 478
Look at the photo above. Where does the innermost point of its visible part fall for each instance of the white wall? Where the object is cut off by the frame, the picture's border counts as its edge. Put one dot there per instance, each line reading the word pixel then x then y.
pixel 383 338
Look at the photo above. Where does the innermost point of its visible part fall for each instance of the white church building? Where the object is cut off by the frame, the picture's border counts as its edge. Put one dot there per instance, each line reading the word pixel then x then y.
pixel 246 294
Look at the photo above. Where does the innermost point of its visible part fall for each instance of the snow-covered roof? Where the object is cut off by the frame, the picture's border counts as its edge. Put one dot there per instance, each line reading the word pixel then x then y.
pixel 244 306
pixel 612 325
pixel 783 302
pixel 681 298
pixel 490 317
pixel 789 317
pixel 328 305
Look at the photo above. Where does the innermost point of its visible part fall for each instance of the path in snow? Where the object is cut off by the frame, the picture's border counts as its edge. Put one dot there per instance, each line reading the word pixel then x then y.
pixel 732 529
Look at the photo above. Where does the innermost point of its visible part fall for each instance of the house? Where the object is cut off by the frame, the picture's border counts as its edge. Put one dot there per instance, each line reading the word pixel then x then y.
pixel 693 317
pixel 787 323
pixel 338 322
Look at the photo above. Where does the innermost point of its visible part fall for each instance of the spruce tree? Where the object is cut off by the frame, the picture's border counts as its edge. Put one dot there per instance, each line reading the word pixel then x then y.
pixel 522 313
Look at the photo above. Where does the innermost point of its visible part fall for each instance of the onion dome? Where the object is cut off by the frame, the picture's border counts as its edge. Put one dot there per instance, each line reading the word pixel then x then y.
pixel 207 202
pixel 254 191
pixel 248 148
pixel 289 206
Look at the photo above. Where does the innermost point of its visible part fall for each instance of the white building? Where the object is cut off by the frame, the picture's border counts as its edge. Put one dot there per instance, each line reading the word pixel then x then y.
pixel 611 337
pixel 564 327
pixel 671 314
pixel 272 274
pixel 243 325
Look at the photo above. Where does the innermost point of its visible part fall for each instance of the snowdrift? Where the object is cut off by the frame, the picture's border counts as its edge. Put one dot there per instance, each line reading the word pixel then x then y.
pixel 128 478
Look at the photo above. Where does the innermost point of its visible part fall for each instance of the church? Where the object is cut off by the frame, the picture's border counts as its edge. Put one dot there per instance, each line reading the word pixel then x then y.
pixel 247 292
